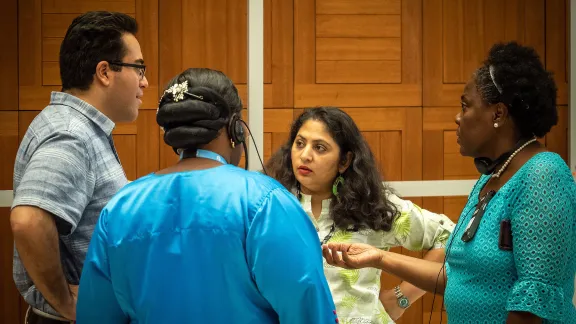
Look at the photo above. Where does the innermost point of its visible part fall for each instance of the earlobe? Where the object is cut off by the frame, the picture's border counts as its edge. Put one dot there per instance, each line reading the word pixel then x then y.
pixel 101 74
pixel 500 114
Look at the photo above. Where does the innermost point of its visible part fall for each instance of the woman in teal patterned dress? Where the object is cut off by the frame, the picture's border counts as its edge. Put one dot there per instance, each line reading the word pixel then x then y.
pixel 329 166
pixel 512 256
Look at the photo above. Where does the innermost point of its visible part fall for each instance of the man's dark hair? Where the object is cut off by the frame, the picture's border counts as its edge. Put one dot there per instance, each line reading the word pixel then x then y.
pixel 91 38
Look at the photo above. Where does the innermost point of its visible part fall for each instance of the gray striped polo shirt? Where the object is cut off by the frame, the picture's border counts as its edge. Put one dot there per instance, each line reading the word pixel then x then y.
pixel 67 165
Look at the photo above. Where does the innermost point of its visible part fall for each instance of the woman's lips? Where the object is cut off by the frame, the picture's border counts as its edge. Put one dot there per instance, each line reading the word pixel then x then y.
pixel 303 170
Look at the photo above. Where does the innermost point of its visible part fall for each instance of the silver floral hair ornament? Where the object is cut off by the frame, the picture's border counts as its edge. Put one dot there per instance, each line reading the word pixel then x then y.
pixel 177 91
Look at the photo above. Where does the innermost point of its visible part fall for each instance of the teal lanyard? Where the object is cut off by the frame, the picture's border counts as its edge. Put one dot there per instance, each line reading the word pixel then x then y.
pixel 204 154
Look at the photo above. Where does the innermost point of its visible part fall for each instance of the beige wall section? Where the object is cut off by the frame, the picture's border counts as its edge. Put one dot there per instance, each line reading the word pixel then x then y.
pixel 396 66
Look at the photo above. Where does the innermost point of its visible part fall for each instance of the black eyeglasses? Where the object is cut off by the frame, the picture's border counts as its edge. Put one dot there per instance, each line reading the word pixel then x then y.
pixel 141 68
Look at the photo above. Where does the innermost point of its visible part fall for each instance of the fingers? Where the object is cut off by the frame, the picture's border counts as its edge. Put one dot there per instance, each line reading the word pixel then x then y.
pixel 327 255
pixel 342 247
pixel 334 257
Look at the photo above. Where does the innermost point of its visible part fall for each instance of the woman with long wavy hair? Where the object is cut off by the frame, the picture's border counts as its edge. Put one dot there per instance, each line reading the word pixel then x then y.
pixel 328 165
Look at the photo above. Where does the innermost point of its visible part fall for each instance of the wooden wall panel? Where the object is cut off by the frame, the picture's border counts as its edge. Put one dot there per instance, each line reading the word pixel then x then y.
pixel 386 73
pixel 10 308
pixel 557 45
pixel 9 58
pixel 223 35
pixel 467 30
pixel 147 15
pixel 397 67
pixel 221 29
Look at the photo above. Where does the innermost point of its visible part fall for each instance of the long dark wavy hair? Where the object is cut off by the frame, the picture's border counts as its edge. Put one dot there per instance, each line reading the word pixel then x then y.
pixel 363 200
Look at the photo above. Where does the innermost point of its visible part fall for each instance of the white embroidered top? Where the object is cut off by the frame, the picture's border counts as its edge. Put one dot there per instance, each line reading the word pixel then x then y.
pixel 356 292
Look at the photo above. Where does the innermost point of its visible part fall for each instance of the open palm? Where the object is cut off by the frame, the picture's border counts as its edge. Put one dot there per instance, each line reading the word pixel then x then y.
pixel 352 255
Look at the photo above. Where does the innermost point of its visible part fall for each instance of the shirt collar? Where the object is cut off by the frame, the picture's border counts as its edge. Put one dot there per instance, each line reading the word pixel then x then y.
pixel 86 109
pixel 306 202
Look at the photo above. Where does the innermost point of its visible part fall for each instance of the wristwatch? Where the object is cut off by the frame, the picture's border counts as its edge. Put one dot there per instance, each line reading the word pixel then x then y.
pixel 403 302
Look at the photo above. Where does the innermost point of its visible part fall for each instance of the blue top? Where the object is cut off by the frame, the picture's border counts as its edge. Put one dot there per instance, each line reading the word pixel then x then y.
pixel 221 245
pixel 537 276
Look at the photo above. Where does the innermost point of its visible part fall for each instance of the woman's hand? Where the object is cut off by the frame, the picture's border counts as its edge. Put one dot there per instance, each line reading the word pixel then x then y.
pixel 352 255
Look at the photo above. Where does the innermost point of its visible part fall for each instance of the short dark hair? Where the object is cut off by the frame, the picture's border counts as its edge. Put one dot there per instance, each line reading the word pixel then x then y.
pixel 524 86
pixel 91 38
pixel 363 196
pixel 190 122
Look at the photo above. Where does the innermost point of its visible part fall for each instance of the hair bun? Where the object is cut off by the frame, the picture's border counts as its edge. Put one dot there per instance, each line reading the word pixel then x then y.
pixel 194 120
pixel 189 137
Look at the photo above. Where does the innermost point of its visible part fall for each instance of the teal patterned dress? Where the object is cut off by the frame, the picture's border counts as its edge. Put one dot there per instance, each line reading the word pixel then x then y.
pixel 537 275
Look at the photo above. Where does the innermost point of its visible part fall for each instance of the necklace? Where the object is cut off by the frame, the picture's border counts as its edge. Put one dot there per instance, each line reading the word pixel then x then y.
pixel 497 174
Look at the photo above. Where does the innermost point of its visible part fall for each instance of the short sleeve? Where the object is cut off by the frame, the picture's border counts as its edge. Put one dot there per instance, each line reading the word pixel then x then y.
pixel 285 257
pixel 96 284
pixel 418 229
pixel 543 240
pixel 58 179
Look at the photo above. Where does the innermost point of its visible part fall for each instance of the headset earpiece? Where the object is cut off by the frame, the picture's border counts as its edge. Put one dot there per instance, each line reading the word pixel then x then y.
pixel 235 130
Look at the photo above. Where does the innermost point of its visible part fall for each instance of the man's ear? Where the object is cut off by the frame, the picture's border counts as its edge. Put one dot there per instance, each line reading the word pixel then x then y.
pixel 103 73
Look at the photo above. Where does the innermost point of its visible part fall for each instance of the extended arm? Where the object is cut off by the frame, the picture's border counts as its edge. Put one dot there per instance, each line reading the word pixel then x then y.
pixel 415 229
pixel 412 292
pixel 424 274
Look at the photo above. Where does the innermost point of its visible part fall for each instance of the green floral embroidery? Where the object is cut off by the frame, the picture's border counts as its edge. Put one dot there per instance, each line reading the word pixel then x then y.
pixel 341 237
pixel 376 281
pixel 402 226
pixel 443 238
pixel 349 301
pixel 346 321
pixel 383 317
pixel 350 276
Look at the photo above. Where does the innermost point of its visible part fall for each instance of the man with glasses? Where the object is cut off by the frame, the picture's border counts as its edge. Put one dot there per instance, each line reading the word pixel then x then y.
pixel 67 167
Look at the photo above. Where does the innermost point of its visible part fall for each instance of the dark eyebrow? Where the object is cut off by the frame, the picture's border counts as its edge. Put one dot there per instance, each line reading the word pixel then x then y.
pixel 317 141
pixel 139 61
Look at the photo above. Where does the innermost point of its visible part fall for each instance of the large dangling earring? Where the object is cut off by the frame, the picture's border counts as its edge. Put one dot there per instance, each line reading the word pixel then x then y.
pixel 232 143
pixel 337 183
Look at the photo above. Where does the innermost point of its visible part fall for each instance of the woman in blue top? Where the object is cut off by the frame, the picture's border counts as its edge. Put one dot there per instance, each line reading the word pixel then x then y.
pixel 512 256
pixel 204 241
